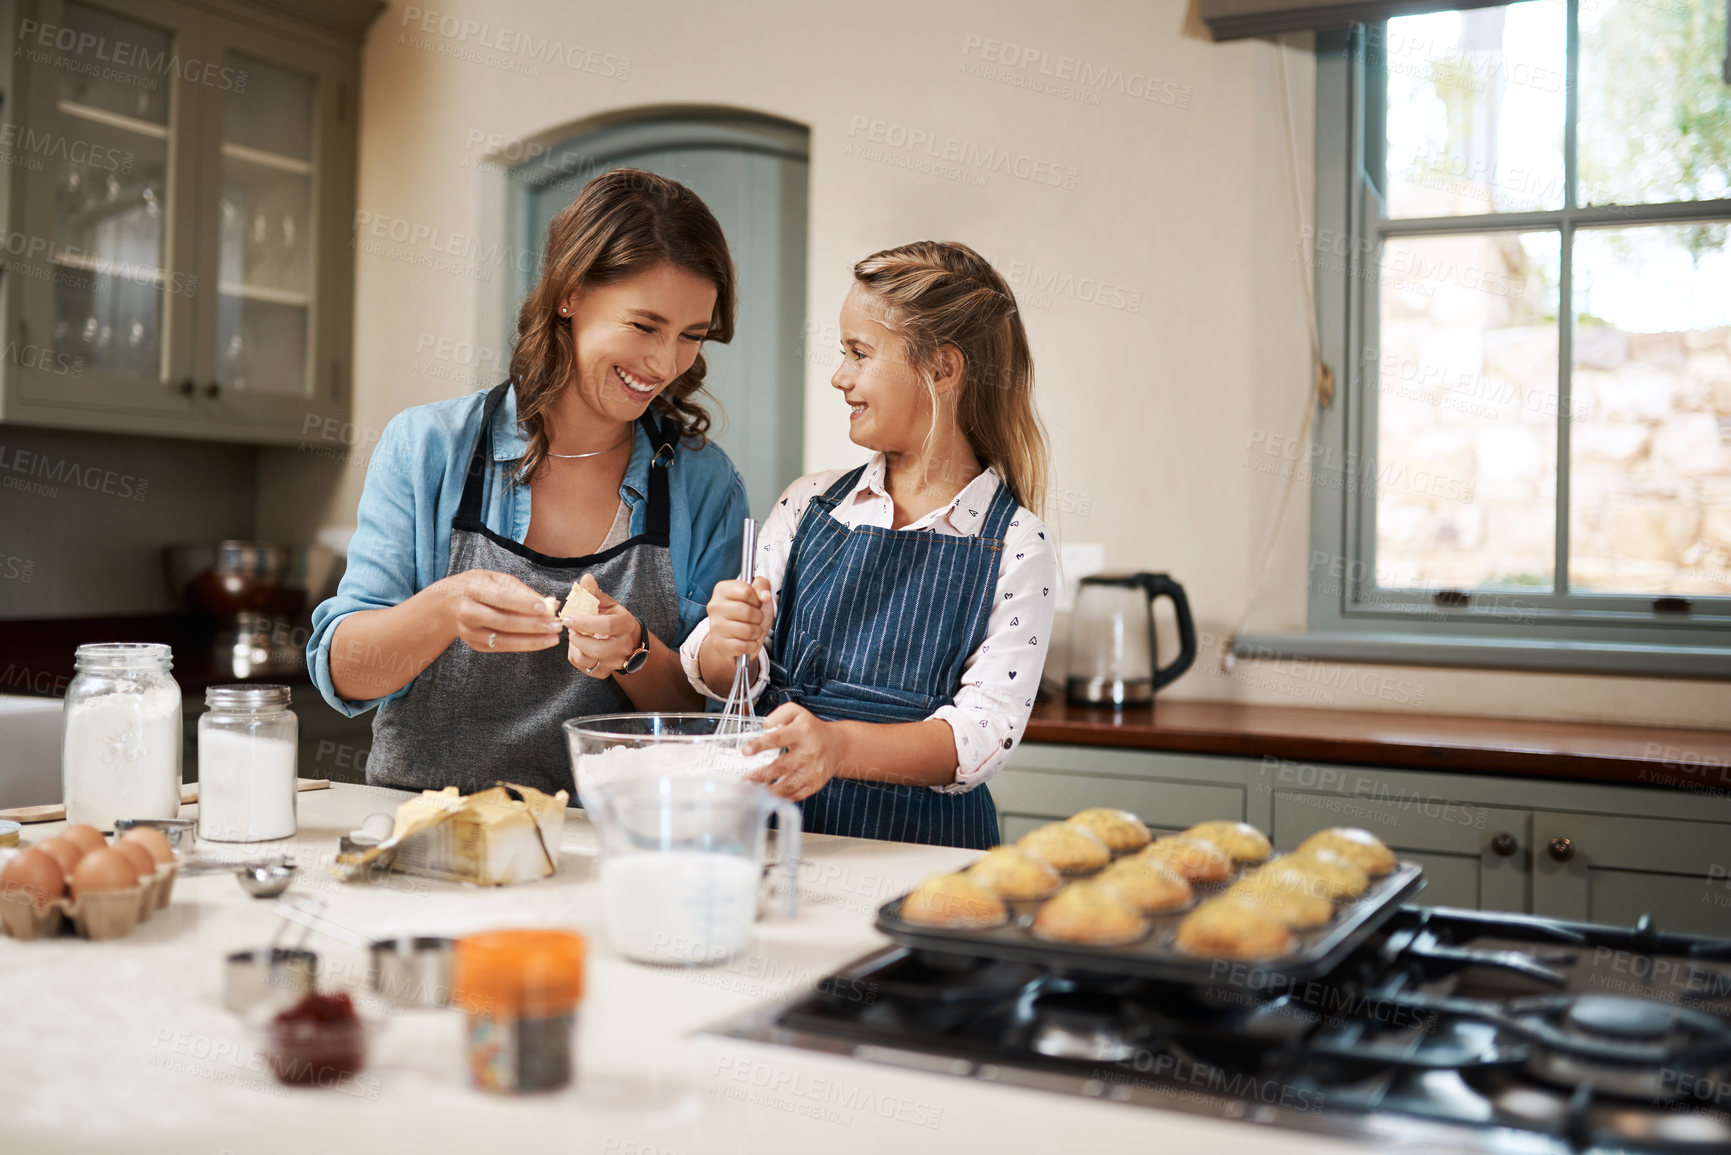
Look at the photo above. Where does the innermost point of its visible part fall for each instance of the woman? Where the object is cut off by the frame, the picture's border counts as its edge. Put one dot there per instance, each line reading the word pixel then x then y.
pixel 911 598
pixel 590 463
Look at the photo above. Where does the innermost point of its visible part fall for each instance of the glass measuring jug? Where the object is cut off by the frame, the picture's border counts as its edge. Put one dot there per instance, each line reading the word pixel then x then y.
pixel 681 862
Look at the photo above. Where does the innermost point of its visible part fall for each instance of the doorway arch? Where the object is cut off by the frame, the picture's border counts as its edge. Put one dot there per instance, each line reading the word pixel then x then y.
pixel 752 172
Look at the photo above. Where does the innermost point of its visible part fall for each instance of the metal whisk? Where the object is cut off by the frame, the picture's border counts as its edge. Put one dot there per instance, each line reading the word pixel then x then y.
pixel 738 710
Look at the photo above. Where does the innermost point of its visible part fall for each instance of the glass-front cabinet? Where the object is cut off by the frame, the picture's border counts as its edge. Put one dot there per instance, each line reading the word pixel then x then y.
pixel 179 187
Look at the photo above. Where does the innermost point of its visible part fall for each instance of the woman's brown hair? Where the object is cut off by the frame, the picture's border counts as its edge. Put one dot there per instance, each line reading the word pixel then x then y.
pixel 938 293
pixel 623 223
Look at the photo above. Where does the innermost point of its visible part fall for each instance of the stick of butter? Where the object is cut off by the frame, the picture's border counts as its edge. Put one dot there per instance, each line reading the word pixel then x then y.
pixel 487 839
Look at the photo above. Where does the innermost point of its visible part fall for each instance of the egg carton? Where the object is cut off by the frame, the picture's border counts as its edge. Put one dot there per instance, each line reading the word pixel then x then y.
pixel 99 915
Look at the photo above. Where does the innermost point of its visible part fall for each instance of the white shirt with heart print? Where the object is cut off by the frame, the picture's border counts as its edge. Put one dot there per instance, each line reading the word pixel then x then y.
pixel 1000 678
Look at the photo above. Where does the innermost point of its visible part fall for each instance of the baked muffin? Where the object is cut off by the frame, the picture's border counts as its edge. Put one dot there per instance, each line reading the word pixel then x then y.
pixel 1089 912
pixel 1120 830
pixel 1226 928
pixel 1153 887
pixel 1288 896
pixel 1193 859
pixel 1070 849
pixel 1014 874
pixel 1359 847
pixel 954 901
pixel 1338 878
pixel 1241 840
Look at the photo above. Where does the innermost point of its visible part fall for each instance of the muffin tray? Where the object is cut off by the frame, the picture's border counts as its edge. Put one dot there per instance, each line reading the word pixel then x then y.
pixel 1153 956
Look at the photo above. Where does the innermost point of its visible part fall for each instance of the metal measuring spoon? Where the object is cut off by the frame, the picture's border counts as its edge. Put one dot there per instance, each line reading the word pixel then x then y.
pixel 266 879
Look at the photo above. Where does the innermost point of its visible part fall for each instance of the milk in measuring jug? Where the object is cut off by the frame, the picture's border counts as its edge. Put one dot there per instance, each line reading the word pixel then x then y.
pixel 679 906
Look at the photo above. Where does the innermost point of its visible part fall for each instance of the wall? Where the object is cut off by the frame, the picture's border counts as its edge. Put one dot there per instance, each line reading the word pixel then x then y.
pixel 1145 218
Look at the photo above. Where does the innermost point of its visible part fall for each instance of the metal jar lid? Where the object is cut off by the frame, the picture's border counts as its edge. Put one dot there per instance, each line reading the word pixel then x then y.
pixel 123 656
pixel 255 696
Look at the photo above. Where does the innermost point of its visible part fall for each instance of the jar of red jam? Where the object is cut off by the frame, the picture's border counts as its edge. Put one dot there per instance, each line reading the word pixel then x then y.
pixel 520 990
pixel 317 1042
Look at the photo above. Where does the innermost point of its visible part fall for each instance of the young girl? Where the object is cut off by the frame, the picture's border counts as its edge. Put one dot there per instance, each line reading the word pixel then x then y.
pixel 911 598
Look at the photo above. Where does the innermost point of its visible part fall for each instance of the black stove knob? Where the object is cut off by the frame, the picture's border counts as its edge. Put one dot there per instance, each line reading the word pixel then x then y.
pixel 1504 845
pixel 1562 848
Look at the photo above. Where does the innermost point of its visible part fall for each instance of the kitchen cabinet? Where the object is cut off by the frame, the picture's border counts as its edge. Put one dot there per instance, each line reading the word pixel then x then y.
pixel 1170 792
pixel 178 205
pixel 1588 851
pixel 1615 868
pixel 1457 844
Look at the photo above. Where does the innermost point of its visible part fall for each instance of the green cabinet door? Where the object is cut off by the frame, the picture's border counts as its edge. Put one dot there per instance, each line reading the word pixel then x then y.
pixel 1616 868
pixel 197 266
pixel 1473 856
pixel 1045 783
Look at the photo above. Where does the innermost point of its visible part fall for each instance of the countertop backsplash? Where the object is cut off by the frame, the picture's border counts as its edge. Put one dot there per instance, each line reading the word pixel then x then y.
pixel 86 516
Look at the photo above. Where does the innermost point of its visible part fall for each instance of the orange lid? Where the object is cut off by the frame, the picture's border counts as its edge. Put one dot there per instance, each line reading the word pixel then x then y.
pixel 518 973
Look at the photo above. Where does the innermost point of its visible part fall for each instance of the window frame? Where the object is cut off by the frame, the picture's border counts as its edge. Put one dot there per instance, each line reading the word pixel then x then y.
pixel 1348 617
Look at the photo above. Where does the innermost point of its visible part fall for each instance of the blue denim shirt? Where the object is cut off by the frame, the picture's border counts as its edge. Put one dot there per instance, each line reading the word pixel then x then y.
pixel 402 540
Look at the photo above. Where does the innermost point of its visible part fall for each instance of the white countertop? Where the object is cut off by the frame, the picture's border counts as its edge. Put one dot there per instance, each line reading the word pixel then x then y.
pixel 124 1046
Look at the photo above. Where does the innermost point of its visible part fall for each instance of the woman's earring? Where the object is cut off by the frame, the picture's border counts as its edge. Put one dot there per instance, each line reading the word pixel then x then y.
pixel 564 310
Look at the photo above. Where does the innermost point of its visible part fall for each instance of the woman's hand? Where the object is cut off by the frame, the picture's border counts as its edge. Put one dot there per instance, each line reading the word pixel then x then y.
pixel 815 751
pixel 740 617
pixel 600 643
pixel 496 613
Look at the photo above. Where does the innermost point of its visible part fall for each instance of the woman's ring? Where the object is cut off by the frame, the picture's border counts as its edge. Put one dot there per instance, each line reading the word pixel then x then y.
pixel 591 670
pixel 492 640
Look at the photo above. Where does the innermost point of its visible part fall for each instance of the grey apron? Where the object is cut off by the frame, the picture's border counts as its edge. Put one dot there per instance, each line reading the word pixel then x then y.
pixel 473 718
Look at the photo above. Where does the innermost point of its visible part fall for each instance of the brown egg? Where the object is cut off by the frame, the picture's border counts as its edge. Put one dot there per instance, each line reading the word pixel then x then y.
pixel 64 852
pixel 139 855
pixel 36 872
pixel 86 838
pixel 103 870
pixel 152 840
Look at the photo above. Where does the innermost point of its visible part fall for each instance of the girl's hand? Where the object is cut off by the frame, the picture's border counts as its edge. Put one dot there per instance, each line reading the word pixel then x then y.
pixel 496 613
pixel 600 643
pixel 815 751
pixel 740 617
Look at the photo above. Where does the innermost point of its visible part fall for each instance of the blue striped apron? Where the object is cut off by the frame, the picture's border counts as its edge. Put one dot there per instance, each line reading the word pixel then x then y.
pixel 875 625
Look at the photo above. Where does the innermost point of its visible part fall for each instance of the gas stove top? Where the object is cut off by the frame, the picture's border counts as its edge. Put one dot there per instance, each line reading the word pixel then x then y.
pixel 1448 1030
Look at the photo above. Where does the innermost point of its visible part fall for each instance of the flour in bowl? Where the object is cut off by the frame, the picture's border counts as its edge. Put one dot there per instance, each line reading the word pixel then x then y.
pixel 669 760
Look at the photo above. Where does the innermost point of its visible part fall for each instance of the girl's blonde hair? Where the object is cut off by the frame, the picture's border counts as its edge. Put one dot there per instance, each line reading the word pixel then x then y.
pixel 623 223
pixel 937 293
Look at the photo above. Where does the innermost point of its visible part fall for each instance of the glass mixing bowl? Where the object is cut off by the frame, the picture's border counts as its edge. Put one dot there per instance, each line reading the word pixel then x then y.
pixel 607 746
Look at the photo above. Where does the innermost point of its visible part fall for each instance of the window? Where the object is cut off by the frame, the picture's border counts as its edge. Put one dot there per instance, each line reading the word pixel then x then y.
pixel 1522 268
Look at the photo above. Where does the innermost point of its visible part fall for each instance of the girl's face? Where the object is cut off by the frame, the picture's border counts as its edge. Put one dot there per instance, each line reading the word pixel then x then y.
pixel 635 337
pixel 890 409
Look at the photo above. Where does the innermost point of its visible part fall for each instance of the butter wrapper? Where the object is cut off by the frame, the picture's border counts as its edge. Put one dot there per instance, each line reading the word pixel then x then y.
pixel 499 836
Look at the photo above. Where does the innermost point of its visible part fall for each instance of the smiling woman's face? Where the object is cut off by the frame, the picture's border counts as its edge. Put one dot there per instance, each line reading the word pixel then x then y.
pixel 889 407
pixel 636 337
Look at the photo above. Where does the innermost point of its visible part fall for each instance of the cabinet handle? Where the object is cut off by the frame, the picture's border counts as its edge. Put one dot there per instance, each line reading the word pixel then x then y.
pixel 1562 848
pixel 184 388
pixel 1504 845
pixel 212 388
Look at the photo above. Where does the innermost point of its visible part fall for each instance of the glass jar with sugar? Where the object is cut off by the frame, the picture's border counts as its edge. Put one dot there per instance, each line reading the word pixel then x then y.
pixel 246 764
pixel 120 757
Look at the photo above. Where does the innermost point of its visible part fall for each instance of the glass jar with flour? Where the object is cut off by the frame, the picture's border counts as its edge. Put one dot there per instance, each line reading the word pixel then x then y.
pixel 121 753
pixel 246 764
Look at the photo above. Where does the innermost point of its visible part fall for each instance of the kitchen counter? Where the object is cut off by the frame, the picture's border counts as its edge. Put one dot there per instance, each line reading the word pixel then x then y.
pixel 1649 755
pixel 125 1045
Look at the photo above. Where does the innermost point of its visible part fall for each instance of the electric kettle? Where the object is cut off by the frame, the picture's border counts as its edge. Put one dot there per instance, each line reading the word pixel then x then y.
pixel 1111 661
